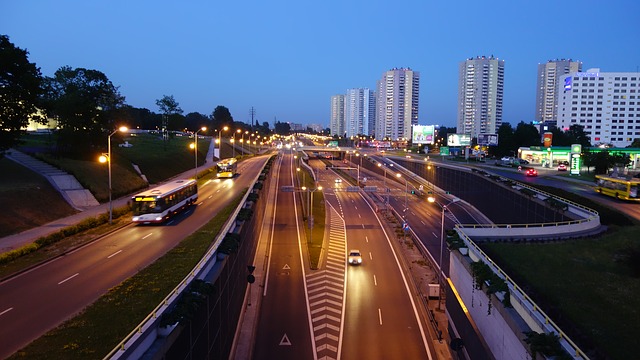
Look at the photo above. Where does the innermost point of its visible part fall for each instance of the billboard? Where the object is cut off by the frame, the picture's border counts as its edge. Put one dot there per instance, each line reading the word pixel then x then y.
pixel 423 134
pixel 488 139
pixel 458 140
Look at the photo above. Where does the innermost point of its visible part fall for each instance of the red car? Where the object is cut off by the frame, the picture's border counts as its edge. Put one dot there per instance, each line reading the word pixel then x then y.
pixel 531 172
pixel 562 167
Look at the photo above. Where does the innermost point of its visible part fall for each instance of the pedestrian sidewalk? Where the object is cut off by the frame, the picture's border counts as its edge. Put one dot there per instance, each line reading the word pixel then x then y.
pixel 71 191
pixel 68 186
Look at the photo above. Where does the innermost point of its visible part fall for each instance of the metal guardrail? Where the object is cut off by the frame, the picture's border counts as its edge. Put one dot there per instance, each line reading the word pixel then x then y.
pixel 149 323
pixel 546 322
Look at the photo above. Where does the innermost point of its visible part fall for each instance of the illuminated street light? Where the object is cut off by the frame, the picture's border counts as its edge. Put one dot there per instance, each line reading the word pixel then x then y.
pixel 107 158
pixel 233 148
pixel 195 148
pixel 432 199
pixel 311 191
pixel 220 141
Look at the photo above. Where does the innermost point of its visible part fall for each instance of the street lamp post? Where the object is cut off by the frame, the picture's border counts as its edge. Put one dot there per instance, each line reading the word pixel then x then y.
pixel 107 159
pixel 233 142
pixel 386 190
pixel 444 208
pixel 242 141
pixel 195 148
pixel 220 141
pixel 311 191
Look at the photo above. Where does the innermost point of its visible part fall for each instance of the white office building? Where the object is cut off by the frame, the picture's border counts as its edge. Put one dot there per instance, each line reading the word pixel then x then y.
pixel 336 123
pixel 359 112
pixel 549 75
pixel 480 94
pixel 606 104
pixel 397 98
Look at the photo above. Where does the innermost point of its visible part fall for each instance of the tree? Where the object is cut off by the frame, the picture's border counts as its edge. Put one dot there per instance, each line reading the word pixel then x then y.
pixel 635 143
pixel 602 161
pixel 561 138
pixel 168 105
pixel 141 118
pixel 172 113
pixel 194 121
pixel 525 135
pixel 282 128
pixel 221 117
pixel 20 88
pixel 441 135
pixel 506 142
pixel 85 103
pixel 577 134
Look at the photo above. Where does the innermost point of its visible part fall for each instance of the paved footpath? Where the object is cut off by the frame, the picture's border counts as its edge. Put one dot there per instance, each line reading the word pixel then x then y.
pixel 59 181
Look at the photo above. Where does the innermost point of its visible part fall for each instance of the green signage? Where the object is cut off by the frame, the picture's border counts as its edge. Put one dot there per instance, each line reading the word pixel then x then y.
pixel 444 150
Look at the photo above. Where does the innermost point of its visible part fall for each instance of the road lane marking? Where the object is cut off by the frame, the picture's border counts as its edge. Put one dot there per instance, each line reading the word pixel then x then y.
pixel 285 340
pixel 69 278
pixel 6 311
pixel 114 254
pixel 366 238
pixel 375 281
pixel 380 315
pixel 422 222
pixel 146 236
pixel 370 256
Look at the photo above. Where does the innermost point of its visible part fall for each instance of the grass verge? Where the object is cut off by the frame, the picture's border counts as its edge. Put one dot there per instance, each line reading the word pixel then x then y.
pixel 18 186
pixel 583 286
pixel 98 329
pixel 315 235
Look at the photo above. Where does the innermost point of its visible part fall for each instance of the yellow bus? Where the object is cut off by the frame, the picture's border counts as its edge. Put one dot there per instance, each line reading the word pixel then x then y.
pixel 621 188
pixel 227 168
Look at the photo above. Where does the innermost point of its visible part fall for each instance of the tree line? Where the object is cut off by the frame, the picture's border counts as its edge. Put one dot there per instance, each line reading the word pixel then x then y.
pixel 85 107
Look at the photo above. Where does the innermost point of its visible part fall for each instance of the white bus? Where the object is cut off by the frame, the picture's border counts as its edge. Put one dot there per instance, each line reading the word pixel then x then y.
pixel 158 204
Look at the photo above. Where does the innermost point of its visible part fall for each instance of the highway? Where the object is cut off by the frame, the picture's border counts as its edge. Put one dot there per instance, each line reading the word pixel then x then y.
pixel 283 330
pixel 381 318
pixel 40 299
pixel 363 311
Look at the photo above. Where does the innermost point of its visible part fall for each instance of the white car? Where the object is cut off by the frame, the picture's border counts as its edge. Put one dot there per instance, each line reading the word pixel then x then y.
pixel 354 258
pixel 338 181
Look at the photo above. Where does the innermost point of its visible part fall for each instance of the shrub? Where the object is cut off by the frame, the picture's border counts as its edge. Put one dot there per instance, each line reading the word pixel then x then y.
pixel 244 214
pixel 230 244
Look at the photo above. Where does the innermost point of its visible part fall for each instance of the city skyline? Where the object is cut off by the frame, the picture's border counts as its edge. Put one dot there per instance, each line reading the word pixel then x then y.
pixel 286 60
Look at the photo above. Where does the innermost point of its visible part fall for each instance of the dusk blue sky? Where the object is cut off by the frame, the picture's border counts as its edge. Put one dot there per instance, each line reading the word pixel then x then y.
pixel 287 58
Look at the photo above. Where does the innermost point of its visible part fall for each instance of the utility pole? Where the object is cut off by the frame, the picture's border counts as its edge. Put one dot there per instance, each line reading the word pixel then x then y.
pixel 252 112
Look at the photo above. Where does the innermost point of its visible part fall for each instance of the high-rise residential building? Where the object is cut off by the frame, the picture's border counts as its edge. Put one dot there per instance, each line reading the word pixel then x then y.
pixel 336 123
pixel 359 111
pixel 480 92
pixel 397 98
pixel 547 88
pixel 606 104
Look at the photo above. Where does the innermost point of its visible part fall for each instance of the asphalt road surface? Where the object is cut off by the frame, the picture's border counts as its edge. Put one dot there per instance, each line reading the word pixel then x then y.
pixel 38 300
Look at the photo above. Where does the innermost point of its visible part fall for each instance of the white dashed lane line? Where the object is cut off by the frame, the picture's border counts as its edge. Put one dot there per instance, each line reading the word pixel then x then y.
pixel 114 254
pixel 69 278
